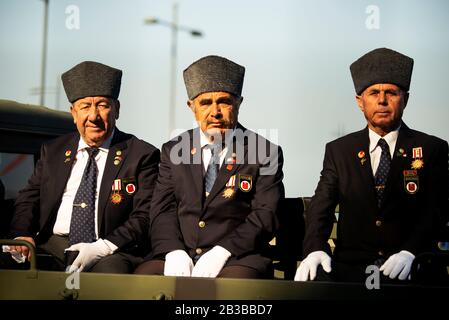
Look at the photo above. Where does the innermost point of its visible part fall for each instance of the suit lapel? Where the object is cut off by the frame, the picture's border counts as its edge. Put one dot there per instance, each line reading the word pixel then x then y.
pixel 195 166
pixel 111 169
pixel 362 154
pixel 63 164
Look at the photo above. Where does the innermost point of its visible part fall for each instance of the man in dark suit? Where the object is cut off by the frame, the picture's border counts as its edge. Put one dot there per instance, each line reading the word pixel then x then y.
pixel 89 196
pixel 390 183
pixel 214 208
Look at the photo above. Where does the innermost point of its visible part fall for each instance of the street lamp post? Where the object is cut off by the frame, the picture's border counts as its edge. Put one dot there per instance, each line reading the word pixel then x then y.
pixel 44 54
pixel 175 27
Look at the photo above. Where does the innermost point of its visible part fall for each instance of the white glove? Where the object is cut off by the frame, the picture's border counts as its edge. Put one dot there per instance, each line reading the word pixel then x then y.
pixel 17 256
pixel 178 263
pixel 89 253
pixel 211 263
pixel 310 264
pixel 398 264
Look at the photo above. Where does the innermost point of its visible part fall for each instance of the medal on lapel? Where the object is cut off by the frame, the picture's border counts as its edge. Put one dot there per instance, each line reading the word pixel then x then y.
pixel 245 182
pixel 401 153
pixel 67 155
pixel 229 190
pixel 116 197
pixel 362 157
pixel 228 193
pixel 418 162
pixel 411 181
pixel 231 161
pixel 118 158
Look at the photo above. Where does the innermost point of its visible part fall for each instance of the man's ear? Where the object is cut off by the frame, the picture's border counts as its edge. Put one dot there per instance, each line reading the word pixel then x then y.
pixel 191 105
pixel 72 111
pixel 406 96
pixel 239 102
pixel 359 101
pixel 117 109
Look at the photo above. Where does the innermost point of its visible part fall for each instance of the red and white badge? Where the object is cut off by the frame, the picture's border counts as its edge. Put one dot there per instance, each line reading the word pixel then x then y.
pixel 411 187
pixel 130 188
pixel 245 182
pixel 245 185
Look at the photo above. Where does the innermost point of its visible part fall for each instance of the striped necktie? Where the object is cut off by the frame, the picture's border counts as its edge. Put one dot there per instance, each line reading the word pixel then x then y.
pixel 212 169
pixel 382 171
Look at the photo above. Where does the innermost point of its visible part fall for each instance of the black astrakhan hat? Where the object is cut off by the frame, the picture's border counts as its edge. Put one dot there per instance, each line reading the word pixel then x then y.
pixel 214 73
pixel 382 65
pixel 89 79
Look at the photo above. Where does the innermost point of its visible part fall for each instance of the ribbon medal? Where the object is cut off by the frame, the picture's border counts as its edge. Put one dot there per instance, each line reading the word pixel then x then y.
pixel 418 162
pixel 229 190
pixel 116 197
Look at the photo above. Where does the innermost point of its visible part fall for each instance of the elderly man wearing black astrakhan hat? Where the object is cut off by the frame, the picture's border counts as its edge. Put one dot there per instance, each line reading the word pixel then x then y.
pixel 390 183
pixel 87 203
pixel 214 209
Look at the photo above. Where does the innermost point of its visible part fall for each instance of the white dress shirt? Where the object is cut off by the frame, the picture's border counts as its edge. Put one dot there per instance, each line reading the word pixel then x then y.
pixel 64 216
pixel 206 148
pixel 375 151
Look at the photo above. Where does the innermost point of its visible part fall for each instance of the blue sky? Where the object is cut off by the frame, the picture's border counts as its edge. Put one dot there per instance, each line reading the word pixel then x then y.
pixel 296 53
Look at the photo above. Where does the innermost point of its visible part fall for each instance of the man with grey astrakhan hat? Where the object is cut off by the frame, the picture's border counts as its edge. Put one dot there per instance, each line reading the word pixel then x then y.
pixel 389 181
pixel 87 202
pixel 214 209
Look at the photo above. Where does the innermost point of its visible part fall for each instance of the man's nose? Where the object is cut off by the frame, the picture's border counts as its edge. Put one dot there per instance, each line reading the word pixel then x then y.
pixel 383 98
pixel 93 113
pixel 216 110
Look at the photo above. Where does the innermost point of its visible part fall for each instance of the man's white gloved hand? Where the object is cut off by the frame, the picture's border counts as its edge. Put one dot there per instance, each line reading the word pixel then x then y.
pixel 307 268
pixel 89 253
pixel 178 263
pixel 398 264
pixel 211 263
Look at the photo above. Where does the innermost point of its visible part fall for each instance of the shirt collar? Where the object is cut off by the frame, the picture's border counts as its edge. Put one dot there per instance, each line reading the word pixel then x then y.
pixel 104 147
pixel 204 141
pixel 390 138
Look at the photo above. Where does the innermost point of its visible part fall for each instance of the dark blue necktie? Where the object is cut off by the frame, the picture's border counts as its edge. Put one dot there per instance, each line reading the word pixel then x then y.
pixel 82 224
pixel 212 169
pixel 382 170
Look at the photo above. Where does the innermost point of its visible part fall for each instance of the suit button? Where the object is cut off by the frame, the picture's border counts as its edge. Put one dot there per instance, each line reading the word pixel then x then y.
pixel 381 253
pixel 378 223
pixel 198 251
pixel 201 224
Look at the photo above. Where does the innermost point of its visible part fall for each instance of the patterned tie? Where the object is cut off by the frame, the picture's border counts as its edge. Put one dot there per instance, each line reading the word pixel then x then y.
pixel 382 171
pixel 212 169
pixel 82 225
